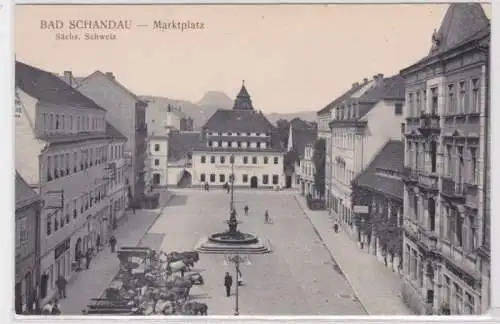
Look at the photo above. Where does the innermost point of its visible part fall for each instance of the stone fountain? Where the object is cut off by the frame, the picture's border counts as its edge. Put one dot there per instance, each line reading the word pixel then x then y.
pixel 232 240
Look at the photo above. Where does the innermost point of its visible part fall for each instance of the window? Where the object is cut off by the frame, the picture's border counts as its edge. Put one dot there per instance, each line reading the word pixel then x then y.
pixel 222 178
pixel 203 159
pixel 245 178
pixel 222 159
pixel 458 299
pixel 266 159
pixel 56 168
pixel 475 96
pixel 49 224
pixel 461 97
pixel 398 109
pixel 276 160
pixel 245 160
pixel 473 165
pixel 449 166
pixel 434 101
pixel 66 160
pixel 275 179
pixel 410 105
pixel 451 98
pixel 49 168
pixel 469 304
pixel 157 147
pixel 254 160
pixel 202 177
pixel 212 177
pixel 157 162
pixel 212 159
pixel 414 266
pixel 265 179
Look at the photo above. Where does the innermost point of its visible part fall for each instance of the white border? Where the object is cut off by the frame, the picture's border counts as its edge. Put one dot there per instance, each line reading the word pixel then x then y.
pixel 7 177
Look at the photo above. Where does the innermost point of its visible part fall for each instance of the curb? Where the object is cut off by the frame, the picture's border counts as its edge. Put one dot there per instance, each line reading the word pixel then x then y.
pixel 332 255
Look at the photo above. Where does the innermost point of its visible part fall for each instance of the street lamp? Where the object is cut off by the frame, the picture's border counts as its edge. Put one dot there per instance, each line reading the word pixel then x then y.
pixel 231 179
pixel 236 260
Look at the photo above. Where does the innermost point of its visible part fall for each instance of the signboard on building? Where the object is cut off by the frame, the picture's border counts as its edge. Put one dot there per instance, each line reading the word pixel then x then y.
pixel 61 248
pixel 358 209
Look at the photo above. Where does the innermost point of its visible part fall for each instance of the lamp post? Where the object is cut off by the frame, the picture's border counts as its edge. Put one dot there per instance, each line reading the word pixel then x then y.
pixel 231 179
pixel 237 260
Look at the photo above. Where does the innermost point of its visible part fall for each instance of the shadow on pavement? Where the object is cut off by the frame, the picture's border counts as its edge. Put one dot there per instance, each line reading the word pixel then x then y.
pixel 152 240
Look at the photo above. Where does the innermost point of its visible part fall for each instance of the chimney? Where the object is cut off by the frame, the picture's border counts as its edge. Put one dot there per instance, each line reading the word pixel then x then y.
pixel 110 75
pixel 380 75
pixel 355 84
pixel 365 80
pixel 68 78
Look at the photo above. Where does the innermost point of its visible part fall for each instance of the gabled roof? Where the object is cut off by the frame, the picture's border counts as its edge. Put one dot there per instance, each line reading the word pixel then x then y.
pixel 25 195
pixel 224 120
pixel 113 80
pixel 180 144
pixel 302 137
pixel 48 87
pixel 391 158
pixel 344 96
pixel 462 22
pixel 243 100
pixel 388 88
pixel 114 133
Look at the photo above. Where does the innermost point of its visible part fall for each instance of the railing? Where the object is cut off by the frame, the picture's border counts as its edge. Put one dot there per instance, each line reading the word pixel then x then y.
pixel 471 195
pixel 428 180
pixel 452 188
pixel 410 174
pixel 429 121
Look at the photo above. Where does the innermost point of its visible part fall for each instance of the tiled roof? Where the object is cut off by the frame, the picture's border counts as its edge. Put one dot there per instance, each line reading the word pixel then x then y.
pixel 390 157
pixel 388 88
pixel 224 120
pixel 462 22
pixel 182 143
pixel 344 96
pixel 302 137
pixel 48 87
pixel 25 195
pixel 114 133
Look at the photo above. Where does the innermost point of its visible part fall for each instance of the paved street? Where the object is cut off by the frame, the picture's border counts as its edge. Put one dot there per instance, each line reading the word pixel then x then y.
pixel 298 278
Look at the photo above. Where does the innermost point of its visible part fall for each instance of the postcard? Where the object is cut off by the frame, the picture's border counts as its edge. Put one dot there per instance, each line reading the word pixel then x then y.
pixel 239 160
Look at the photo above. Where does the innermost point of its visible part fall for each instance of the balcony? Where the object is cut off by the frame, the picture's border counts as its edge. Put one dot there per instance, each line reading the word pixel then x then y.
pixel 453 190
pixel 429 124
pixel 428 181
pixel 410 175
pixel 471 196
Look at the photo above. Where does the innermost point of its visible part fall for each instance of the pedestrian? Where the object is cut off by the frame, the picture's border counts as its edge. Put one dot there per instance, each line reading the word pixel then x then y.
pixel 266 217
pixel 238 277
pixel 56 310
pixel 88 258
pixel 47 308
pixel 61 286
pixel 112 243
pixel 246 210
pixel 336 227
pixel 228 282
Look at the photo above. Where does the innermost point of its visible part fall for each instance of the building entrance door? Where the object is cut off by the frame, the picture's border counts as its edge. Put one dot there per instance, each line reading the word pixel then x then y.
pixel 253 182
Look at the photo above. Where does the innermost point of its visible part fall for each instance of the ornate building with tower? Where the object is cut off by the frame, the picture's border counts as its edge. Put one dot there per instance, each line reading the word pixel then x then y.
pixel 446 247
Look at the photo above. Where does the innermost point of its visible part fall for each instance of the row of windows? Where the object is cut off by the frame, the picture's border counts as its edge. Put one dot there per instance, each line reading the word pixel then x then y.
pixel 64 164
pixel 244 178
pixel 223 160
pixel 343 139
pixel 341 173
pixel 62 217
pixel 61 123
pixel 461 97
pixel 308 169
pixel 237 134
pixel 237 144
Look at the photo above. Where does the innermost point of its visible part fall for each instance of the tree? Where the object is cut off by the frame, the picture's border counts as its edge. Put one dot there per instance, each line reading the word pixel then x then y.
pixel 291 157
pixel 318 158
pixel 283 126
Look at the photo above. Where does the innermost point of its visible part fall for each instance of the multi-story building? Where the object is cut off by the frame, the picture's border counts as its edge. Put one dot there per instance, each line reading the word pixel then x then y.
pixel 300 134
pixel 164 114
pixel 27 247
pixel 446 242
pixel 306 170
pixel 325 116
pixel 363 121
pixel 378 199
pixel 61 150
pixel 117 171
pixel 180 157
pixel 127 113
pixel 246 135
pixel 158 152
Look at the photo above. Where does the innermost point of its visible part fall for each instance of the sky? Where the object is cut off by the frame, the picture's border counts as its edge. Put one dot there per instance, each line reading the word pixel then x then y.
pixel 292 57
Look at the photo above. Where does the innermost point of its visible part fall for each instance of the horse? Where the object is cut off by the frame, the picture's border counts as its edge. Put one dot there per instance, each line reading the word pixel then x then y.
pixel 195 308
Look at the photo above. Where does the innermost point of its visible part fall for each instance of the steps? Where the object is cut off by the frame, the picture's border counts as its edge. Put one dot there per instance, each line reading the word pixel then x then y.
pixel 205 246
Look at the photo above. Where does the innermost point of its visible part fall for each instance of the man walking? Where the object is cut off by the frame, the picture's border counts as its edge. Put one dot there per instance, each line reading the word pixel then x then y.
pixel 112 243
pixel 246 210
pixel 88 258
pixel 228 282
pixel 61 286
pixel 266 217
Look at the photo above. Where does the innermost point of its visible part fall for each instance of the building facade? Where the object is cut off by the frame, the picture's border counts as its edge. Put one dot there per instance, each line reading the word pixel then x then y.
pixel 306 170
pixel 377 198
pixel 446 242
pixel 62 151
pixel 127 113
pixel 164 114
pixel 158 161
pixel 363 121
pixel 27 268
pixel 246 135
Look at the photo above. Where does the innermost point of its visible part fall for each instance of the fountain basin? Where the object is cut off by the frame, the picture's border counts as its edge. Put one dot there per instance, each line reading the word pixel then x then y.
pixel 236 238
pixel 217 244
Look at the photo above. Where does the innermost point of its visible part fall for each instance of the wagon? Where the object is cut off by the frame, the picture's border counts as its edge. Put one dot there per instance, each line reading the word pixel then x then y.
pixel 101 306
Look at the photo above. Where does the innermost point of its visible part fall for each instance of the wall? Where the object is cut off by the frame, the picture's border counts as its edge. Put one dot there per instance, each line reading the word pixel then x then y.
pixel 162 157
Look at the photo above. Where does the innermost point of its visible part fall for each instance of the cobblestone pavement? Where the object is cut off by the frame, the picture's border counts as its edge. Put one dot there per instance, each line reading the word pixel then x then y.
pixel 298 278
pixel 90 283
pixel 378 287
